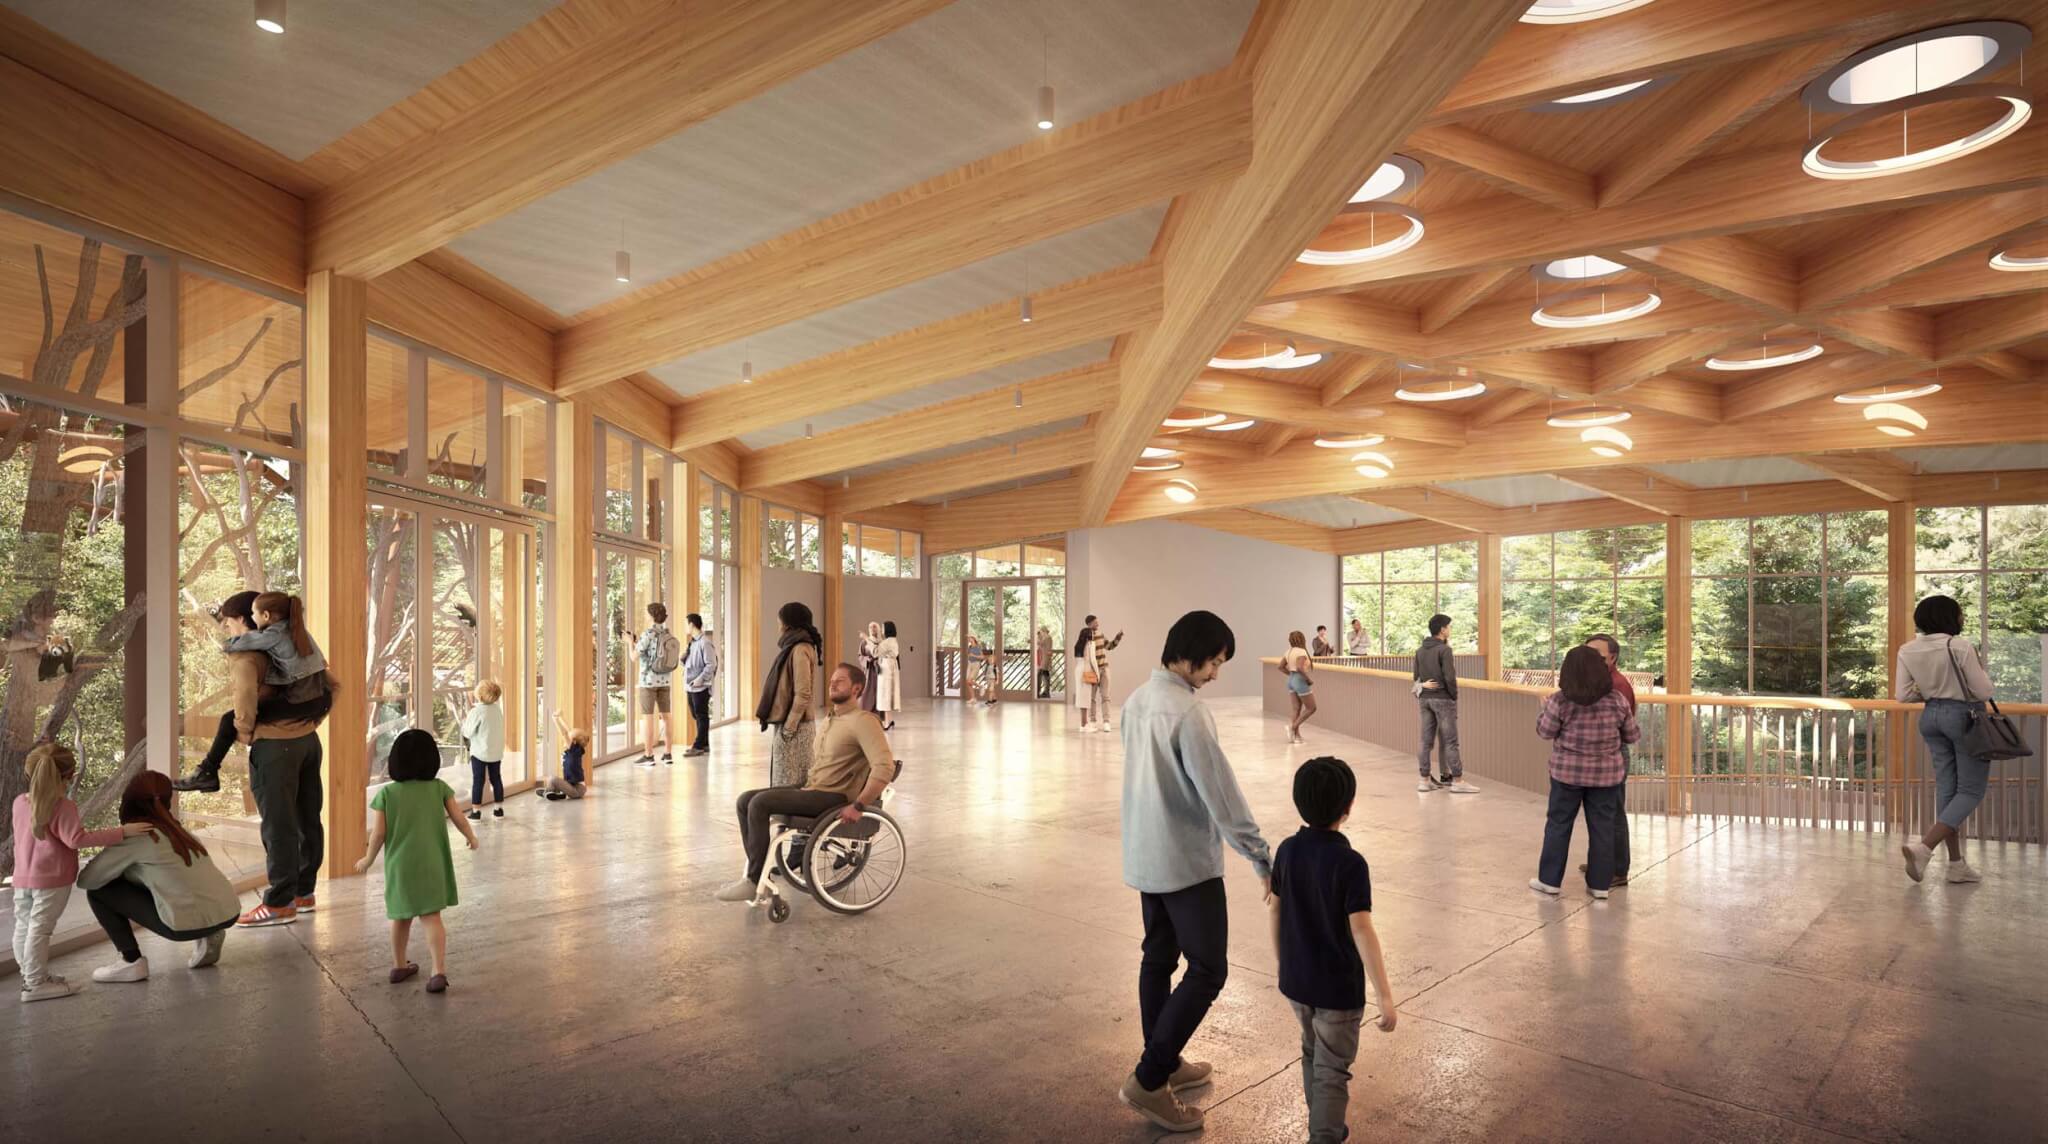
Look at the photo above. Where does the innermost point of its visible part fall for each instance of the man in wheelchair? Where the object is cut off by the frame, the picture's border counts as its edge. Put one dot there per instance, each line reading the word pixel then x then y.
pixel 852 766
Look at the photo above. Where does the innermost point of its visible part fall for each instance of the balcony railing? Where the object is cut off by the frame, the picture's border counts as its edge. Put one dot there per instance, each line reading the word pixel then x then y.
pixel 1843 763
pixel 950 671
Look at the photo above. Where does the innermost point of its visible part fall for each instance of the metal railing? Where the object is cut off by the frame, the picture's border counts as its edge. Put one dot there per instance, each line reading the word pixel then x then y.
pixel 1856 764
pixel 1467 665
pixel 951 672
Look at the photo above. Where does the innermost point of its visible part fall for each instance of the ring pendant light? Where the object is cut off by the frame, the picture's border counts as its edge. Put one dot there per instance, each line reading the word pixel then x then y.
pixel 1201 422
pixel 1895 420
pixel 1882 393
pixel 1156 466
pixel 1180 490
pixel 1933 66
pixel 1158 453
pixel 1586 416
pixel 1602 96
pixel 1771 353
pixel 1452 391
pixel 1394 178
pixel 1606 440
pixel 1576 11
pixel 1543 316
pixel 1362 441
pixel 2004 259
pixel 1277 359
pixel 1231 426
pixel 1372 464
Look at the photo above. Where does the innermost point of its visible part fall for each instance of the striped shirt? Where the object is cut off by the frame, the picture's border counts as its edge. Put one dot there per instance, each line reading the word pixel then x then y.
pixel 1586 742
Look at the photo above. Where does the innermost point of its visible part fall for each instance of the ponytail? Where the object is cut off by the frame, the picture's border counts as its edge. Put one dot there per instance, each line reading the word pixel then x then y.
pixel 293 610
pixel 47 765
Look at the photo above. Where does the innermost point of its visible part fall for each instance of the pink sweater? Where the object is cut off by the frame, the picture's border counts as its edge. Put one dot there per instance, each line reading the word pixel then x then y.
pixel 51 862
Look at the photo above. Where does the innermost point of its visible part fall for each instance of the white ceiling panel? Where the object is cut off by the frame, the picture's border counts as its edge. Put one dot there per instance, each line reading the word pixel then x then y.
pixel 994 441
pixel 1006 486
pixel 1104 246
pixel 1739 472
pixel 954 87
pixel 1977 458
pixel 1519 492
pixel 339 63
pixel 1332 512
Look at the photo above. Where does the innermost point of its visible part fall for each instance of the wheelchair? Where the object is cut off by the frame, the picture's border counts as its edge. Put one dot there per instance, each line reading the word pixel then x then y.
pixel 850 868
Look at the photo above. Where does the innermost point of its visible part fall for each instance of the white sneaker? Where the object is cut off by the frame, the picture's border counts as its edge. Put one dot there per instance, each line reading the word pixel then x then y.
pixel 1460 786
pixel 1424 785
pixel 1087 728
pixel 206 951
pixel 1960 870
pixel 48 991
pixel 737 890
pixel 137 970
pixel 1917 856
pixel 1599 895
pixel 1537 885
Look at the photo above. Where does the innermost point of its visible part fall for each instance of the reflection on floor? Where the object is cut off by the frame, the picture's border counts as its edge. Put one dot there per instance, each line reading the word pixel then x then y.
pixel 1753 983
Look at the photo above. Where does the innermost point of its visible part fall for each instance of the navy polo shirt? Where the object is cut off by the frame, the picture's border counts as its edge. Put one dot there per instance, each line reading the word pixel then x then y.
pixel 1321 881
pixel 572 764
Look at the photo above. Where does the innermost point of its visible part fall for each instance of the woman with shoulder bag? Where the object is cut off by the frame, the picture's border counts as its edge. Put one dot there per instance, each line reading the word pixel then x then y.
pixel 1948 674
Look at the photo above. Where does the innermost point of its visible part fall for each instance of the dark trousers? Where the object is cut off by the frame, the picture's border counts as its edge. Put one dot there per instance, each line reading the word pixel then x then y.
pixel 121 905
pixel 269 710
pixel 1621 854
pixel 1602 807
pixel 1045 683
pixel 284 777
pixel 1193 923
pixel 700 715
pixel 478 772
pixel 755 806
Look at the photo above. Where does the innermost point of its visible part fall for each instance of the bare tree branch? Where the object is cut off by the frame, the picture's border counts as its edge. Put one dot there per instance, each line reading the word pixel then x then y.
pixel 207 380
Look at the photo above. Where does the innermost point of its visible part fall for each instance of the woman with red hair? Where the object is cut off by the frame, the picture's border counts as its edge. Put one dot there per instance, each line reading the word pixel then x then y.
pixel 161 880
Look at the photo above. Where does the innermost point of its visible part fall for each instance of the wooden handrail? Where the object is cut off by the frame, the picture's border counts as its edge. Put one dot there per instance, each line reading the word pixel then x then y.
pixel 1685 699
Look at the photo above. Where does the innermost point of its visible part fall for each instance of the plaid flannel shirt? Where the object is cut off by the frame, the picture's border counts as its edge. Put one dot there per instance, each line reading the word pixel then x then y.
pixel 1586 742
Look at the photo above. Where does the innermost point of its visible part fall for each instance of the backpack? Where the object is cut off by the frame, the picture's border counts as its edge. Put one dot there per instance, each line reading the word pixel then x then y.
pixel 668 653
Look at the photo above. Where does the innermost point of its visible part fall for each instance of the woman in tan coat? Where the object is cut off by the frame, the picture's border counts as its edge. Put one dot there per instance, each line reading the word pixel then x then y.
pixel 789 696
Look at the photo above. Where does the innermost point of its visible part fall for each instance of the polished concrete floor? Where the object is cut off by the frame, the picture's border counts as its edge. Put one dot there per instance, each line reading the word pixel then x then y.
pixel 1753 983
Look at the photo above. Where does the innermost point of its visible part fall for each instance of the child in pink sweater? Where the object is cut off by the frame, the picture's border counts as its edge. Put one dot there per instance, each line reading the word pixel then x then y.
pixel 47 837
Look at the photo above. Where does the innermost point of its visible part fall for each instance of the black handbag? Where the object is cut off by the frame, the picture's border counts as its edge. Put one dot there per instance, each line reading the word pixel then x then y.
pixel 1990 735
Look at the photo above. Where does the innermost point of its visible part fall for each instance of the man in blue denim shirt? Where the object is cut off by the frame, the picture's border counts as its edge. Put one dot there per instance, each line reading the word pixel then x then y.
pixel 1180 805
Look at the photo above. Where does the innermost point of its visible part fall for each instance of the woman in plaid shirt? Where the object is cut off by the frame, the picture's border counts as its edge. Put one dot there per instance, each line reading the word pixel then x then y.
pixel 1587 722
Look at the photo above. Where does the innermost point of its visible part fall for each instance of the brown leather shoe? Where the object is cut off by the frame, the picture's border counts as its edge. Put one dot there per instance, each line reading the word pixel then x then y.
pixel 438 983
pixel 404 972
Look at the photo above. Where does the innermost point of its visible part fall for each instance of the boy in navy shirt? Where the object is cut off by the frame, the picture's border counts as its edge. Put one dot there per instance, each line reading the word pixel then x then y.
pixel 1322 926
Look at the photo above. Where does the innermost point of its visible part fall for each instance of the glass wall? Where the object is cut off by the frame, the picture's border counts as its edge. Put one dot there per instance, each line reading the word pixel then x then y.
pixel 1394 593
pixel 1994 561
pixel 1790 605
pixel 718 586
pixel 1559 588
pixel 1012 597
pixel 873 550
pixel 631 570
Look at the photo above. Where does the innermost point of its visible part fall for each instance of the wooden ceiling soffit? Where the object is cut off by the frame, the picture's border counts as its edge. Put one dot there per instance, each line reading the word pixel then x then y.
pixel 1264 526
pixel 1975 328
pixel 1352 81
pixel 1091 309
pixel 986 466
pixel 1534 63
pixel 1722 194
pixel 1035 510
pixel 1506 166
pixel 1506 405
pixel 1821 377
pixel 1624 364
pixel 1354 374
pixel 1125 159
pixel 1461 295
pixel 1058 397
pixel 1440 505
pixel 1906 241
pixel 564 122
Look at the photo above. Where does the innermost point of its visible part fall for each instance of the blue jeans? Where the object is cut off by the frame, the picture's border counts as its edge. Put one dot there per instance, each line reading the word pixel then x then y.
pixel 1959 777
pixel 1602 807
pixel 478 772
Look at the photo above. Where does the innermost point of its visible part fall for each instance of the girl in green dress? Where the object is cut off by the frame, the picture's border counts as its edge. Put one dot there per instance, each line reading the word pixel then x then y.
pixel 419 868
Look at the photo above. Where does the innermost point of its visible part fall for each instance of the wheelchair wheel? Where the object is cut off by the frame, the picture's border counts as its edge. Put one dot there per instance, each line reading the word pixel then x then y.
pixel 855 868
pixel 789 861
pixel 778 911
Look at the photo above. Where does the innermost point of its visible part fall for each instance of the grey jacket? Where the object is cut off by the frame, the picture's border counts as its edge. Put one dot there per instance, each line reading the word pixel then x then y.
pixel 1433 660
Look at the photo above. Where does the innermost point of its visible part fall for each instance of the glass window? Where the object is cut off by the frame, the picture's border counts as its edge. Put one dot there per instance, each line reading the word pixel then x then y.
pixel 810 545
pixel 529 451
pixel 240 359
pixel 1558 589
pixel 93 294
pixel 707 516
pixel 1404 587
pixel 389 416
pixel 849 549
pixel 1004 561
pixel 1994 561
pixel 1784 611
pixel 778 537
pixel 393 595
pixel 654 494
pixel 909 562
pixel 877 551
pixel 618 482
pixel 954 566
pixel 458 438
pixel 1045 558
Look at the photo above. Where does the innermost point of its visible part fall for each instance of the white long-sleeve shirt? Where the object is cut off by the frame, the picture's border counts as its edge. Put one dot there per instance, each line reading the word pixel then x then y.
pixel 1925 670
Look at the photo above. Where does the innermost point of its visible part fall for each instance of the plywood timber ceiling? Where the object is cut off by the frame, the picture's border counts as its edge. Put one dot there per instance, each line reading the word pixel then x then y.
pixel 1332 512
pixel 342 62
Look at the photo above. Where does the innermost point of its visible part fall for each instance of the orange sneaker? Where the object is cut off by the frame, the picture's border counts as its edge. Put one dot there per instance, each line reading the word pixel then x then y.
pixel 268 915
pixel 304 905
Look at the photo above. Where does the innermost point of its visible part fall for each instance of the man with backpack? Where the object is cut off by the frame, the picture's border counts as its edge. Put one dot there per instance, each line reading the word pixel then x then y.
pixel 700 667
pixel 660 654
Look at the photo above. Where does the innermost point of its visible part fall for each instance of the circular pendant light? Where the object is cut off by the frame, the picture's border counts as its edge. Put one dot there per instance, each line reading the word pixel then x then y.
pixel 1201 422
pixel 1584 416
pixel 1602 96
pixel 84 460
pixel 2018 109
pixel 1543 316
pixel 1396 177
pixel 1371 464
pixel 1576 11
pixel 1277 359
pixel 1771 353
pixel 1881 393
pixel 1374 248
pixel 1156 466
pixel 1297 361
pixel 1895 420
pixel 1362 441
pixel 2003 258
pixel 1180 490
pixel 1606 440
pixel 1231 426
pixel 1920 69
pixel 1155 453
pixel 1452 390
pixel 1576 269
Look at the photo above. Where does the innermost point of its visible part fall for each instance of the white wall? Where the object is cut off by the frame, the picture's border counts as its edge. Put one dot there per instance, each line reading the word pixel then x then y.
pixel 778 587
pixel 1142 577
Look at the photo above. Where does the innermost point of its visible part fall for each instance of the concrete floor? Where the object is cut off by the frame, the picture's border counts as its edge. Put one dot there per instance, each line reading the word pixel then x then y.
pixel 1753 983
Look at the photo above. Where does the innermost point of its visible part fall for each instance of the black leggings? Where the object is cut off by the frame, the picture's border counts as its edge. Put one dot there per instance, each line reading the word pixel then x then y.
pixel 121 905
pixel 271 710
pixel 480 770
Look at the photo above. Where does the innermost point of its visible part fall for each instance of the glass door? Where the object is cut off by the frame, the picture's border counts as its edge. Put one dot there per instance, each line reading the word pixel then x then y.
pixel 1013 640
pixel 995 622
pixel 980 620
pixel 629 579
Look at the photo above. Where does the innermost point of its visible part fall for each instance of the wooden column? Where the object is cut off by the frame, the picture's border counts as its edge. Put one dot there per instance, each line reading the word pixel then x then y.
pixel 1489 604
pixel 513 642
pixel 1677 660
pixel 747 552
pixel 834 563
pixel 336 555
pixel 689 538
pixel 570 556
pixel 1901 590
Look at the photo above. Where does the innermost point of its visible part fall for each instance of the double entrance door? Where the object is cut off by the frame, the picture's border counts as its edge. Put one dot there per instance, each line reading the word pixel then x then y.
pixel 999 617
pixel 629 579
pixel 453 601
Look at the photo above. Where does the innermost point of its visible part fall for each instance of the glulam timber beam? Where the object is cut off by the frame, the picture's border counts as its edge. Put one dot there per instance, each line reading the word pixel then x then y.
pixel 1353 375
pixel 1350 82
pixel 1459 296
pixel 1506 166
pixel 1636 486
pixel 1046 400
pixel 1813 380
pixel 1975 328
pixel 1429 502
pixel 1266 527
pixel 1091 309
pixel 1035 510
pixel 1906 241
pixel 991 465
pixel 1879 474
pixel 565 122
pixel 1217 391
pixel 1166 144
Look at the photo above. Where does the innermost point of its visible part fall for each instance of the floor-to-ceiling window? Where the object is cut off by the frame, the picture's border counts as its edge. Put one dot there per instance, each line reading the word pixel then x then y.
pixel 1010 601
pixel 718 514
pixel 1394 593
pixel 1994 561
pixel 1557 588
pixel 634 548
pixel 1790 605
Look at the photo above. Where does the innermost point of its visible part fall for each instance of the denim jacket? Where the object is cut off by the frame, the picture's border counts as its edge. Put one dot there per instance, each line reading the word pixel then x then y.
pixel 275 641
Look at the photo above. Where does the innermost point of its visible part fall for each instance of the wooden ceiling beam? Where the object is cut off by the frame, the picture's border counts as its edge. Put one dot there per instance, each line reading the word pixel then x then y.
pixel 1280 439
pixel 1986 327
pixel 971 522
pixel 1506 166
pixel 1265 526
pixel 1878 473
pixel 1058 397
pixel 1905 241
pixel 565 122
pixel 1757 189
pixel 1460 296
pixel 1429 502
pixel 1506 405
pixel 988 466
pixel 1618 366
pixel 1357 372
pixel 1166 144
pixel 1965 278
pixel 1690 400
pixel 1216 391
pixel 1074 314
pixel 1706 107
pixel 1565 372
pixel 1813 380
pixel 2011 366
pixel 1634 485
pixel 1351 82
